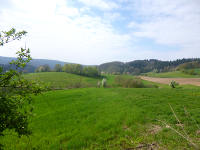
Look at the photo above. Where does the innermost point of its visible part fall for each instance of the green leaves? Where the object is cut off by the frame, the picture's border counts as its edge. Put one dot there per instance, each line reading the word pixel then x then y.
pixel 11 35
pixel 15 91
pixel 23 58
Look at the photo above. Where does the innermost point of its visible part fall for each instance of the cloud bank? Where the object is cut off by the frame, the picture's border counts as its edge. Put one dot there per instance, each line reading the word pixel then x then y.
pixel 98 31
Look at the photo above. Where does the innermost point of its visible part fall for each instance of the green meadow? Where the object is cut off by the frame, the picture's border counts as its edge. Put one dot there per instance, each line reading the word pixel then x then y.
pixel 174 74
pixel 62 80
pixel 109 118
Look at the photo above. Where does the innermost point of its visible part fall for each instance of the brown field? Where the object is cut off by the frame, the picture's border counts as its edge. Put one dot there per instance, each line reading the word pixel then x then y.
pixel 192 81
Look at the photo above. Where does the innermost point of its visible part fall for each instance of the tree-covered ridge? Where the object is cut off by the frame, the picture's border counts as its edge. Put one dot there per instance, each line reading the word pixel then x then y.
pixel 143 66
pixel 116 67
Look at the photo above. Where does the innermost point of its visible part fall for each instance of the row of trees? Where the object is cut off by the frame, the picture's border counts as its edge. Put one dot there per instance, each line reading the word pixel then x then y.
pixel 90 71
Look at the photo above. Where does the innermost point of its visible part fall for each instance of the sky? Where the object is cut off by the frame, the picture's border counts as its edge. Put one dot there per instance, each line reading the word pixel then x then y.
pixel 92 32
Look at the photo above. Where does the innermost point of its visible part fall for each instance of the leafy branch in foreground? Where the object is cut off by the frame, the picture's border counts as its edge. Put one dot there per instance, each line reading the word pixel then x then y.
pixel 11 35
pixel 15 91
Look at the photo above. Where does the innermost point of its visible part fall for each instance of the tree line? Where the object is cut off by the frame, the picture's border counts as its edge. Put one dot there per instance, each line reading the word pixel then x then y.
pixel 143 66
pixel 90 71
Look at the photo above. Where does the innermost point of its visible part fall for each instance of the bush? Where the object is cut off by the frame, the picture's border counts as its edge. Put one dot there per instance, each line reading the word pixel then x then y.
pixel 104 83
pixel 173 84
pixel 134 83
pixel 129 82
pixel 190 72
pixel 119 80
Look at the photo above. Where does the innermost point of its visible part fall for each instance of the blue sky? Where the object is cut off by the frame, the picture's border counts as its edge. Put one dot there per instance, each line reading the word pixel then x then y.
pixel 98 31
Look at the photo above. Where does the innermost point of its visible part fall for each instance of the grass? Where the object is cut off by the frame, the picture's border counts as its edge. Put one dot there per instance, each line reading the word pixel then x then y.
pixel 174 74
pixel 60 80
pixel 112 118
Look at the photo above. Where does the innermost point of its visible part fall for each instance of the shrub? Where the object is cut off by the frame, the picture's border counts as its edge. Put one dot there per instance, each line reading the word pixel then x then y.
pixel 104 81
pixel 119 80
pixel 173 84
pixel 99 84
pixel 129 82
pixel 134 83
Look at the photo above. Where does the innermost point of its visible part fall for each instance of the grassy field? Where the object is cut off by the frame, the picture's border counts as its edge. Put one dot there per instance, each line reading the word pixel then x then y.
pixel 174 74
pixel 60 80
pixel 111 118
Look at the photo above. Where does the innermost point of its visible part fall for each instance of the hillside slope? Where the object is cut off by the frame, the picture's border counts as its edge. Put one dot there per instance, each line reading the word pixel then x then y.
pixel 34 62
pixel 60 80
pixel 143 66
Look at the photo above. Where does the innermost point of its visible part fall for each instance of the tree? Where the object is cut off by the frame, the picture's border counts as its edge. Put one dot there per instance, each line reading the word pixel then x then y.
pixel 91 71
pixel 67 68
pixel 73 68
pixel 15 91
pixel 47 68
pixel 58 68
pixel 43 68
pixel 40 69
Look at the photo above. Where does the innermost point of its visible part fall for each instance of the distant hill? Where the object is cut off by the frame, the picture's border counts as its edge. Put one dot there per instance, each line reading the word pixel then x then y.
pixel 133 67
pixel 35 62
pixel 143 66
pixel 117 67
pixel 189 65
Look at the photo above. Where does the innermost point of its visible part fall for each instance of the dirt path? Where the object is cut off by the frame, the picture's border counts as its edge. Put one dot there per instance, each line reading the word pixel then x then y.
pixel 192 81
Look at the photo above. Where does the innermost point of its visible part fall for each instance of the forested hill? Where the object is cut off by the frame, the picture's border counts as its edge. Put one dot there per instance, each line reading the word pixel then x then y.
pixel 143 66
pixel 35 62
pixel 116 67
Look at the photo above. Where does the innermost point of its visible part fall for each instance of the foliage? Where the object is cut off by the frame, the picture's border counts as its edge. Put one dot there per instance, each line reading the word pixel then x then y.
pixel 15 91
pixel 191 71
pixel 189 65
pixel 43 68
pixel 99 84
pixel 129 82
pixel 58 68
pixel 143 66
pixel 112 67
pixel 104 83
pixel 80 70
pixel 174 84
pixel 73 68
pixel 11 35
pixel 91 71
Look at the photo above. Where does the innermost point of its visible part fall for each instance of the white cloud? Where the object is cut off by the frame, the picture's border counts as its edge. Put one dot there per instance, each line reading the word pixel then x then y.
pixel 170 23
pixel 101 4
pixel 133 24
pixel 67 11
pixel 112 16
pixel 64 33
